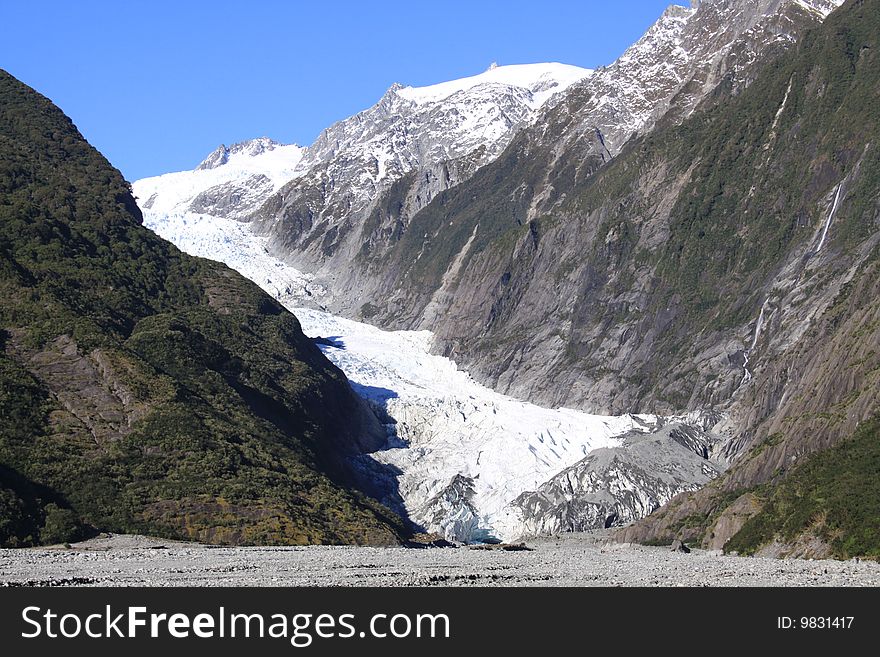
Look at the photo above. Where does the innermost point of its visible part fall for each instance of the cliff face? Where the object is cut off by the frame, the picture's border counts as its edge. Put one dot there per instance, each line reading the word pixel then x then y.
pixel 729 262
pixel 806 403
pixel 143 390
pixel 545 272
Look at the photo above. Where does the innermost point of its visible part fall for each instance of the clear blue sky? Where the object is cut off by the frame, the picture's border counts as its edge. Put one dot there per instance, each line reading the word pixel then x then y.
pixel 156 85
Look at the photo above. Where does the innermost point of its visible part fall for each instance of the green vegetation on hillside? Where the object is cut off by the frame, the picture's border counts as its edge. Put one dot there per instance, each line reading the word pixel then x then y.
pixel 755 185
pixel 143 390
pixel 834 495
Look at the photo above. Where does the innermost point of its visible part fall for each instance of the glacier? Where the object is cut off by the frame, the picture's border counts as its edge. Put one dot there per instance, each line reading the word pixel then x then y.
pixel 462 453
pixel 460 458
pixel 446 430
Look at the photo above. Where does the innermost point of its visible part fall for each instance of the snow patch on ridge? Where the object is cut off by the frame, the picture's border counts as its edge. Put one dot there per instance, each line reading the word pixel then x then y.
pixel 542 80
pixel 830 217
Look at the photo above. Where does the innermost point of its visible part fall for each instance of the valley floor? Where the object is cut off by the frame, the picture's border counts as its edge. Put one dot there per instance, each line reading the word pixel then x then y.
pixel 567 560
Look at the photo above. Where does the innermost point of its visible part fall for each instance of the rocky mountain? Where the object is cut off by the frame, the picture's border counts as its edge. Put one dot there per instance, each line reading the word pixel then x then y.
pixel 725 261
pixel 353 161
pixel 614 486
pixel 358 239
pixel 680 59
pixel 608 258
pixel 450 128
pixel 143 390
pixel 686 242
pixel 336 207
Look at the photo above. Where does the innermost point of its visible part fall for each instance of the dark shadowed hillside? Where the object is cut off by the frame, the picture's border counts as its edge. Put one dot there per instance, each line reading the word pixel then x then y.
pixel 144 390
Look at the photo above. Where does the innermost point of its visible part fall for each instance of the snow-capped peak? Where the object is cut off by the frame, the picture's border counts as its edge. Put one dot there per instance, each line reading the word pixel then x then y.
pixel 249 148
pixel 541 80
pixel 680 58
pixel 248 170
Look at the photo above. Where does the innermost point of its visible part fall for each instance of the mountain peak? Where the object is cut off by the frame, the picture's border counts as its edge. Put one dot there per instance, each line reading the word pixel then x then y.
pixel 680 11
pixel 248 148
pixel 252 147
pixel 218 157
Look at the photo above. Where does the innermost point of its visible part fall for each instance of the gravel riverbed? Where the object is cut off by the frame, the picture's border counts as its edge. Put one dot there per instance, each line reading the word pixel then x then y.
pixel 569 560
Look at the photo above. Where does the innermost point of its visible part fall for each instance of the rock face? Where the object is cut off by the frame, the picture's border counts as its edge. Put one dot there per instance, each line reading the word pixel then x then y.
pixel 807 359
pixel 144 390
pixel 251 148
pixel 639 283
pixel 87 386
pixel 731 520
pixel 681 58
pixel 500 257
